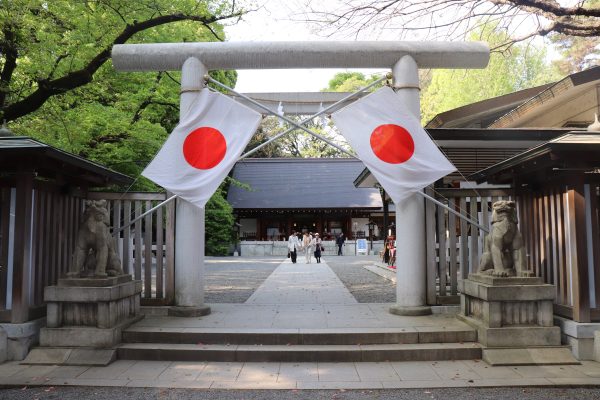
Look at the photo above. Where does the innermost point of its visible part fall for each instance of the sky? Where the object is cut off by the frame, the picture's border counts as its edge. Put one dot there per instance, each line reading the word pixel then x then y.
pixel 273 23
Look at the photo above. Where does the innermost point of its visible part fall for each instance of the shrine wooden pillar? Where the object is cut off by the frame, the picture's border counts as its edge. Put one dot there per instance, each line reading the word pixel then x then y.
pixel 22 249
pixel 579 259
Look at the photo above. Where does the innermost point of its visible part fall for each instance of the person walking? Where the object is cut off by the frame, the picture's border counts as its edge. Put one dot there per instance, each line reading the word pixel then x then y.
pixel 318 244
pixel 340 242
pixel 308 246
pixel 293 246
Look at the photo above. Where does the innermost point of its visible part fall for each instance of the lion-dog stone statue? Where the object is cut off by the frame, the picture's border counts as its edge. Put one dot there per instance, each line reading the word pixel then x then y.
pixel 95 248
pixel 504 250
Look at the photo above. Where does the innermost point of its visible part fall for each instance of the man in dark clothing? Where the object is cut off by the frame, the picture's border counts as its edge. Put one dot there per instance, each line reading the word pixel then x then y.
pixel 340 242
pixel 293 245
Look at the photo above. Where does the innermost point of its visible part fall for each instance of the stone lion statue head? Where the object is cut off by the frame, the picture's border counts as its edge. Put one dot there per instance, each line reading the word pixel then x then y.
pixel 504 209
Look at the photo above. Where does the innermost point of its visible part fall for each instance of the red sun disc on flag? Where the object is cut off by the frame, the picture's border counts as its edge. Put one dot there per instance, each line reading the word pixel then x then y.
pixel 392 143
pixel 204 148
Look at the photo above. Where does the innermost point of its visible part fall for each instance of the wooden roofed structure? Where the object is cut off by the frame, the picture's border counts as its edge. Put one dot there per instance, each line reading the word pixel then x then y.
pixel 557 188
pixel 302 194
pixel 42 190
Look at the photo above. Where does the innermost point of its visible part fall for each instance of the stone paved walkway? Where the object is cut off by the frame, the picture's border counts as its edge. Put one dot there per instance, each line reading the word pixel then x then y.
pixel 237 375
pixel 301 297
pixel 302 283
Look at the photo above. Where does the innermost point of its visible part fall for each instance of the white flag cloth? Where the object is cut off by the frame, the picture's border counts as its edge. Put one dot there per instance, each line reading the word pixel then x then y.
pixel 392 144
pixel 203 148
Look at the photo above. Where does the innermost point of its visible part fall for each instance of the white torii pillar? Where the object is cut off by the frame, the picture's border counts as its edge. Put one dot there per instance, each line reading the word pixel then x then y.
pixel 189 219
pixel 410 213
pixel 195 58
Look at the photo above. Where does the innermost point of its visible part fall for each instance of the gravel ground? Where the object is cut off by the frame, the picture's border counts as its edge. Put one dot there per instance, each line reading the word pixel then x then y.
pixel 234 279
pixel 365 286
pixel 110 393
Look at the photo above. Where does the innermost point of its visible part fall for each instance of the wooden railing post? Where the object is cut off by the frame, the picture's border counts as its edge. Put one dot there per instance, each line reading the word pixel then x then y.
pixel 430 250
pixel 22 249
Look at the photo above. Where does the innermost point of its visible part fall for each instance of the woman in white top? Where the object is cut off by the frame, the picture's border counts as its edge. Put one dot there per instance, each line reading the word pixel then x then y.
pixel 293 245
pixel 308 244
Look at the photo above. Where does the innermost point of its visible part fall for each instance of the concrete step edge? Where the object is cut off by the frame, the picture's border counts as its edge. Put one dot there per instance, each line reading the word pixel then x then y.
pixel 322 353
pixel 297 338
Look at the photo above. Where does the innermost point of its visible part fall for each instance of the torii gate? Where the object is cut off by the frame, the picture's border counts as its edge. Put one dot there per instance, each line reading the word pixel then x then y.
pixel 404 58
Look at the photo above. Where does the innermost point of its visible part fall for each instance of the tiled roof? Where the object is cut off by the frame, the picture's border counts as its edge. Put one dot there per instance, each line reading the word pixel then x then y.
pixel 301 183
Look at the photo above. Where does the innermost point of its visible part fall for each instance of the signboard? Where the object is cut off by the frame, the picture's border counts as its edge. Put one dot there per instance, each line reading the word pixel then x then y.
pixel 361 246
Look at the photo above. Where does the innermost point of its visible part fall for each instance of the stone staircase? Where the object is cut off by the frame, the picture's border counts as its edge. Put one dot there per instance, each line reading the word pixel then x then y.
pixel 299 345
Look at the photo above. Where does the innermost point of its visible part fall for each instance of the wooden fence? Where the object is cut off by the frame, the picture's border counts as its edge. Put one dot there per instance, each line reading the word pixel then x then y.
pixel 38 226
pixel 454 245
pixel 561 230
pixel 147 248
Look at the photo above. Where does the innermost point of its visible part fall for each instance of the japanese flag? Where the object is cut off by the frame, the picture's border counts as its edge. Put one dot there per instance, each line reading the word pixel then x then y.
pixel 202 149
pixel 392 144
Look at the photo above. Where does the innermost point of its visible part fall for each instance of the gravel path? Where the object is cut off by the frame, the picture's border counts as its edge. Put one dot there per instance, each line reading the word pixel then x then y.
pixel 234 279
pixel 365 286
pixel 108 393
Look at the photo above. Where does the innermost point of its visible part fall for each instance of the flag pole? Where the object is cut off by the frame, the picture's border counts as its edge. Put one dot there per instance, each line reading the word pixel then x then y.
pixel 458 214
pixel 156 207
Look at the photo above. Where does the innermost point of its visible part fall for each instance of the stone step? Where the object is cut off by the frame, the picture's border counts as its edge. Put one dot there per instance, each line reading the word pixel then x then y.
pixel 546 355
pixel 299 353
pixel 341 336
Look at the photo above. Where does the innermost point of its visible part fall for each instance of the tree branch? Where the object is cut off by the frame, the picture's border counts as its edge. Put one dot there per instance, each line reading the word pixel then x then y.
pixel 48 88
pixel 9 49
pixel 551 7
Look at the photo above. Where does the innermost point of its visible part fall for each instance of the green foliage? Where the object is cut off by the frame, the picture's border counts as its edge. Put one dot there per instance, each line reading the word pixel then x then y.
pixel 297 143
pixel 520 68
pixel 219 225
pixel 577 53
pixel 118 119
pixel 350 82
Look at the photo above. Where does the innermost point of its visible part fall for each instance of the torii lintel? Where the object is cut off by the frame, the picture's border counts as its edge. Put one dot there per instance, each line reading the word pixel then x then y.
pixel 285 55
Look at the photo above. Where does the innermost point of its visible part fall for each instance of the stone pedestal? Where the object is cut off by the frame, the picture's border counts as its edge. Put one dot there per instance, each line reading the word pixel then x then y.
pixel 512 316
pixel 509 312
pixel 84 315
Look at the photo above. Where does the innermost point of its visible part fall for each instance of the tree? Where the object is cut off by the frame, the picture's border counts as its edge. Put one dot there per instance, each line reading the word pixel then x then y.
pixel 297 143
pixel 441 90
pixel 577 53
pixel 218 225
pixel 349 82
pixel 435 19
pixel 53 47
pixel 117 119
pixel 520 68
pixel 57 83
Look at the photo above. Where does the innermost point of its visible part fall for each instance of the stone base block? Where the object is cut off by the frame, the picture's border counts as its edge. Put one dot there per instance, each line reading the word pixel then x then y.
pixel 92 306
pixel 505 281
pixel 578 335
pixel 188 311
pixel 410 311
pixel 71 356
pixel 529 356
pixel 21 338
pixel 94 282
pixel 514 336
pixel 84 336
pixel 597 346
